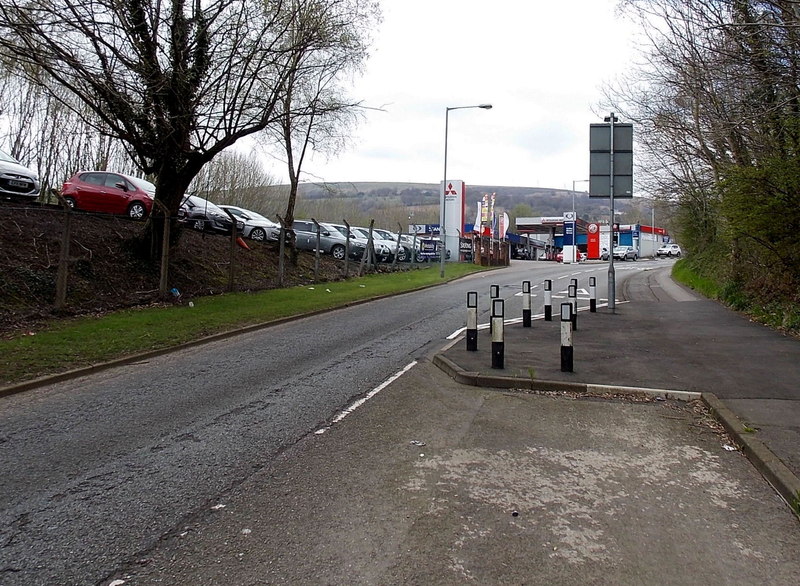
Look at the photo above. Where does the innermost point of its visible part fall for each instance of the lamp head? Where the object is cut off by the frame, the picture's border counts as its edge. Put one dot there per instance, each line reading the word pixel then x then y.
pixel 485 106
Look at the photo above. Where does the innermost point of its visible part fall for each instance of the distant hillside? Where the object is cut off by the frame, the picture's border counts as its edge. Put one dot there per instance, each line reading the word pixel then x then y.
pixel 390 204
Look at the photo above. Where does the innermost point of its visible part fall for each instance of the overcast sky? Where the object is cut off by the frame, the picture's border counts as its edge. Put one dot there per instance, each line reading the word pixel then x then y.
pixel 539 63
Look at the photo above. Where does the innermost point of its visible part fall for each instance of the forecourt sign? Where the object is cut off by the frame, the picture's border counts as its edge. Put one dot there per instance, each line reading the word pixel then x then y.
pixel 454 214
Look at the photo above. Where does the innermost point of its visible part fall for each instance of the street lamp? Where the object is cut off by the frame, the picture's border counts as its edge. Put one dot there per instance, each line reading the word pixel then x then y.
pixel 442 229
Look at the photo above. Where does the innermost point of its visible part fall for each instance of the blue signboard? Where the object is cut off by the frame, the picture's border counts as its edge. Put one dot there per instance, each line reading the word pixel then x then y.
pixel 569 233
pixel 427 248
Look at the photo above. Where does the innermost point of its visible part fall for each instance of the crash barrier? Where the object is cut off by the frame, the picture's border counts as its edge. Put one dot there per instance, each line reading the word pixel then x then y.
pixel 472 321
pixel 526 304
pixel 498 332
pixel 566 337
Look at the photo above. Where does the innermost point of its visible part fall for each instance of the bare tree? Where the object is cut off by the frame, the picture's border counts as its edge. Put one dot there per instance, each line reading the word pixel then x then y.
pixel 178 82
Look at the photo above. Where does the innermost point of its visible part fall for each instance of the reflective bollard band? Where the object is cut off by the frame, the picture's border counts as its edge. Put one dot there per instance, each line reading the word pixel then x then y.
pixel 566 337
pixel 472 321
pixel 526 304
pixel 548 300
pixel 498 344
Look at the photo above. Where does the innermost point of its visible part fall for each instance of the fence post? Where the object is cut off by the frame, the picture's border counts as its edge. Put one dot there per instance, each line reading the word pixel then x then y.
pixel 548 300
pixel 472 321
pixel 566 337
pixel 316 252
pixel 592 295
pixel 281 250
pixel 63 257
pixel 526 304
pixel 232 251
pixel 347 251
pixel 498 344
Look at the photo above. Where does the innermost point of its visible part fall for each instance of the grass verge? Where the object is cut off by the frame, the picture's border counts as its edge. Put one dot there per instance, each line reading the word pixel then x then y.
pixel 70 344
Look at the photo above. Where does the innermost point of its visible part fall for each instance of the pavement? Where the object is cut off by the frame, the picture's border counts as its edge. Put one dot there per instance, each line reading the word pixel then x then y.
pixel 645 465
pixel 666 341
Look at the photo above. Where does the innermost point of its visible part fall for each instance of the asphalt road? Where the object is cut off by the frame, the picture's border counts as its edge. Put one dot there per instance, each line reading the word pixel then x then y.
pixel 95 470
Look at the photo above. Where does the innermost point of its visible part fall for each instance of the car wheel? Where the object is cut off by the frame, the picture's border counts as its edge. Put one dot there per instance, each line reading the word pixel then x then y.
pixel 71 203
pixel 198 225
pixel 635 257
pixel 338 252
pixel 677 255
pixel 258 234
pixel 136 211
pixel 402 255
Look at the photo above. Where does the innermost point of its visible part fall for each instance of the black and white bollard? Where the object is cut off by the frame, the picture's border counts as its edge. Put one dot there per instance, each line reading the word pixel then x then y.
pixel 526 304
pixel 573 301
pixel 494 293
pixel 498 344
pixel 548 300
pixel 566 337
pixel 592 295
pixel 472 321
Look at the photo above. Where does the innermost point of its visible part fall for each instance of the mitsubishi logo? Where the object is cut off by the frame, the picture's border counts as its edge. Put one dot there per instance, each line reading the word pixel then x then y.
pixel 449 190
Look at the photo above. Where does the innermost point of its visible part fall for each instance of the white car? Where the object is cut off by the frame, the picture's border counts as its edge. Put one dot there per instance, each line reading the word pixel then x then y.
pixel 256 226
pixel 669 250
pixel 16 180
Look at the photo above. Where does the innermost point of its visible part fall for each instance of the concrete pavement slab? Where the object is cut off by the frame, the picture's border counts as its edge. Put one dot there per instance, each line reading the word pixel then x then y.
pixel 441 483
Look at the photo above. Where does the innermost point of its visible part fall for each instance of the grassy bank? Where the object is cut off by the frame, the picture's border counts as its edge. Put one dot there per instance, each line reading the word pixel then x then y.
pixel 65 345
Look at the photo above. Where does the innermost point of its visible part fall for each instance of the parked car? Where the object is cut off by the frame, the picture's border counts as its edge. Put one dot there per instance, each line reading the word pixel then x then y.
pixel 383 250
pixel 604 254
pixel 201 214
pixel 625 253
pixel 387 236
pixel 580 256
pixel 669 250
pixel 16 180
pixel 331 240
pixel 109 192
pixel 256 227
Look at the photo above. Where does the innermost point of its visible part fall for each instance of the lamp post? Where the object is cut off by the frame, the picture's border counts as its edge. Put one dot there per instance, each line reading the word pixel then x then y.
pixel 442 229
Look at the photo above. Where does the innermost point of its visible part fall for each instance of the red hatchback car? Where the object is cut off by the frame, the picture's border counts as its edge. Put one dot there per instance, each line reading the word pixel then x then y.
pixel 113 193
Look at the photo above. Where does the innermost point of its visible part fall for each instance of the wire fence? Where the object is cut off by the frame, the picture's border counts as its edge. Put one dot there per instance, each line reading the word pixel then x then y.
pixel 57 257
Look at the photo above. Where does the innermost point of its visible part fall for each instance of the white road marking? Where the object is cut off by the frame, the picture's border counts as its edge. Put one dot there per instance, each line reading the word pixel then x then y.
pixel 356 404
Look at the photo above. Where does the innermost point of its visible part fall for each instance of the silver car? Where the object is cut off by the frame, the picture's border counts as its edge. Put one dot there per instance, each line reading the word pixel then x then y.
pixel 331 240
pixel 625 253
pixel 16 180
pixel 256 226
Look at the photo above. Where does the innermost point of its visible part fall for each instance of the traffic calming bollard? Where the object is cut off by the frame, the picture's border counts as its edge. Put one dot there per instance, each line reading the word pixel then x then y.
pixel 526 304
pixel 494 293
pixel 566 337
pixel 573 300
pixel 472 321
pixel 548 300
pixel 498 345
pixel 592 295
